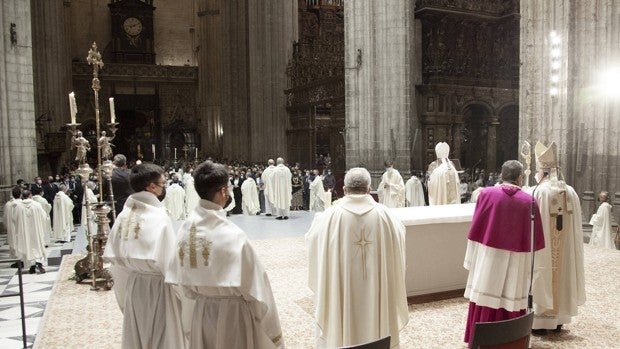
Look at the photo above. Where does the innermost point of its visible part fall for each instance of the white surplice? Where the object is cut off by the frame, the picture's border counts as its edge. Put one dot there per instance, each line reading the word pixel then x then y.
pixel 317 195
pixel 394 195
pixel 356 252
pixel 30 223
pixel 443 184
pixel 140 247
pixel 281 190
pixel 8 223
pixel 63 217
pixel 249 197
pixel 414 192
pixel 216 266
pixel 90 195
pixel 175 201
pixel 601 227
pixel 191 196
pixel 559 287
pixel 48 209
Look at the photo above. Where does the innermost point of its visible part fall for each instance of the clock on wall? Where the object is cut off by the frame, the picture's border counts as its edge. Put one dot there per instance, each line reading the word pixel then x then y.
pixel 132 31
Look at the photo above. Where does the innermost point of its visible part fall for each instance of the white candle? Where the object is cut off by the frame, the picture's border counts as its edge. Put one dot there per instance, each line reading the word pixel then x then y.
pixel 112 111
pixel 196 152
pixel 72 106
pixel 175 153
pixel 153 150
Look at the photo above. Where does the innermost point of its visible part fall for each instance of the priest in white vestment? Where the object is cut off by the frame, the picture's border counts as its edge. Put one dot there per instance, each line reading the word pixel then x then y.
pixel 356 252
pixel 281 190
pixel 63 216
pixel 191 196
pixel 391 190
pixel 140 247
pixel 11 238
pixel 498 258
pixel 216 266
pixel 443 182
pixel 175 200
pixel 318 195
pixel 87 212
pixel 36 196
pixel 414 192
pixel 601 224
pixel 249 197
pixel 267 178
pixel 30 223
pixel 560 288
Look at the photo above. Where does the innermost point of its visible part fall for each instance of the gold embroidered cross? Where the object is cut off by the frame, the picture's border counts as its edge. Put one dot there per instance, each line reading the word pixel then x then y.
pixel 190 247
pixel 362 243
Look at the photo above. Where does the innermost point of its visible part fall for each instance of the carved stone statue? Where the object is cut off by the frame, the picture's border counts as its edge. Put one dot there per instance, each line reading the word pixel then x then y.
pixel 82 145
pixel 106 146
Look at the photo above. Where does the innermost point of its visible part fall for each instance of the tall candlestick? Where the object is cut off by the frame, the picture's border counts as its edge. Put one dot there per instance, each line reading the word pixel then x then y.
pixel 175 153
pixel 72 106
pixel 112 111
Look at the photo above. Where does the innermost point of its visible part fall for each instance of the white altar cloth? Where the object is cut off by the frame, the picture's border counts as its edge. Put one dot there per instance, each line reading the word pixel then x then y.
pixel 436 242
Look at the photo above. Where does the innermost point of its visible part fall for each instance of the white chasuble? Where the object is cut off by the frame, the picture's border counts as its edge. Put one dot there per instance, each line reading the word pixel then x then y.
pixel 249 197
pixel 88 212
pixel 601 227
pixel 48 209
pixel 140 247
pixel 175 201
pixel 559 287
pixel 443 185
pixel 216 266
pixel 281 188
pixel 191 196
pixel 63 217
pixel 391 190
pixel 30 223
pixel 356 252
pixel 414 192
pixel 267 178
pixel 317 195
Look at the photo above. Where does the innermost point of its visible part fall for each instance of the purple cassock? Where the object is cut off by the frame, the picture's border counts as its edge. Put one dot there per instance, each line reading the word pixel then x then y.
pixel 502 220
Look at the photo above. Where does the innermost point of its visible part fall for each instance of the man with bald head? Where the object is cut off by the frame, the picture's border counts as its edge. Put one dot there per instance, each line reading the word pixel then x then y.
pixel 357 268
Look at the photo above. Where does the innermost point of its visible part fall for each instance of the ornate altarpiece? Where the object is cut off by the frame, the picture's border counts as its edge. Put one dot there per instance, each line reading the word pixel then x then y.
pixel 315 94
pixel 470 78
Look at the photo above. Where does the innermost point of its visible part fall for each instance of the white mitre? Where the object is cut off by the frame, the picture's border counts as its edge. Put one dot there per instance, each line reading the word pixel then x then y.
pixel 546 157
pixel 442 150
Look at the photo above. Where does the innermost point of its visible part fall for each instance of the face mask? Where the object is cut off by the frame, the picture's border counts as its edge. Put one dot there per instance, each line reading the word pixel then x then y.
pixel 162 196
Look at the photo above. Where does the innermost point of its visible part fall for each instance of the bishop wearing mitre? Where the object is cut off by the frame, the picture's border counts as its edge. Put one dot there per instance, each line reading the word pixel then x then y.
pixel 443 182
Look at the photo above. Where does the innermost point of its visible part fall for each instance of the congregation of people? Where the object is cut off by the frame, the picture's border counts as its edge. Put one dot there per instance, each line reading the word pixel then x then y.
pixel 203 286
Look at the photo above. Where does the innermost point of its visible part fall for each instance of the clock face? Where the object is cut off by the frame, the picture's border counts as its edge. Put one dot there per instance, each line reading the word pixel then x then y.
pixel 132 26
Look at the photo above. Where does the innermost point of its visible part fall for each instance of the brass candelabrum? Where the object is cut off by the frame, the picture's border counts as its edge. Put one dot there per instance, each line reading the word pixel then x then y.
pixel 91 267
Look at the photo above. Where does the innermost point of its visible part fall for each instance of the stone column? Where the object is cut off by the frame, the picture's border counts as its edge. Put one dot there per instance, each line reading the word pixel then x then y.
pixel 379 95
pixel 583 119
pixel 18 150
pixel 210 76
pixel 52 73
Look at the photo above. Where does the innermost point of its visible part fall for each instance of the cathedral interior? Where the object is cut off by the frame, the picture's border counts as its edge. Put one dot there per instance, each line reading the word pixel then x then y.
pixel 361 82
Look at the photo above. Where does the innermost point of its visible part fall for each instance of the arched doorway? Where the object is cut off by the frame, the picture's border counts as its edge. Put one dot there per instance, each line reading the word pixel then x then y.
pixel 508 135
pixel 474 138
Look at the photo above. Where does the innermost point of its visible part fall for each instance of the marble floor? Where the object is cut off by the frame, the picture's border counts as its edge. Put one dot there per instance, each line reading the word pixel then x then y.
pixel 38 287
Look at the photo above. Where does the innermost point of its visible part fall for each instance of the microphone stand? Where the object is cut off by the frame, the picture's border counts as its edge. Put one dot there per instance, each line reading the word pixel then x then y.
pixel 530 296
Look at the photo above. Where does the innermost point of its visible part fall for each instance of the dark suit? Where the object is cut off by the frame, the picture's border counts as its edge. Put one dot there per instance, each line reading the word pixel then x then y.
pixel 120 187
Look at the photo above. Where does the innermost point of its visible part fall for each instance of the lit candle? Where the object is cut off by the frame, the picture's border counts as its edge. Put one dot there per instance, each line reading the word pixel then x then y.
pixel 196 152
pixel 72 106
pixel 112 111
pixel 175 153
pixel 153 150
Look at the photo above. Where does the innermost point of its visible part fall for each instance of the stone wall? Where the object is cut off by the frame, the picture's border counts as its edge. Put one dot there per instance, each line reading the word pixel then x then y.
pixel 17 118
